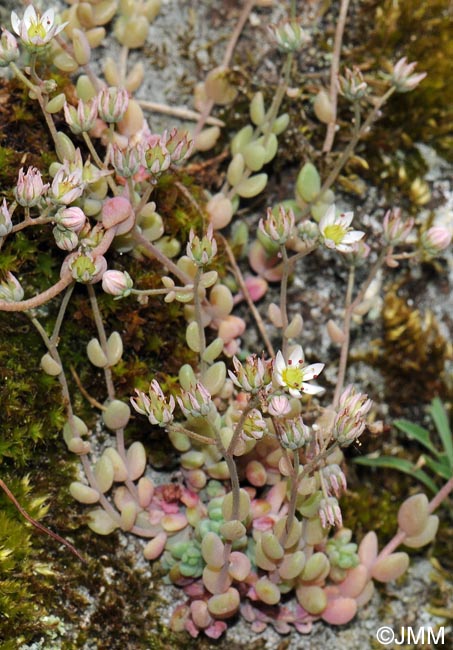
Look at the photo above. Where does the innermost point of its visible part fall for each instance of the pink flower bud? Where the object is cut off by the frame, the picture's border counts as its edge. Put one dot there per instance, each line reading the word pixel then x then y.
pixel 117 283
pixel 30 188
pixel 279 406
pixel 396 231
pixel 83 117
pixel 402 77
pixel 435 240
pixel 112 104
pixel 5 220
pixel 71 218
pixel 10 289
pixel 65 239
pixel 9 50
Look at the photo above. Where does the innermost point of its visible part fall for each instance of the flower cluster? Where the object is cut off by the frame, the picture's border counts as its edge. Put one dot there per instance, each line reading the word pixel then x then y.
pixel 154 405
pixel 350 419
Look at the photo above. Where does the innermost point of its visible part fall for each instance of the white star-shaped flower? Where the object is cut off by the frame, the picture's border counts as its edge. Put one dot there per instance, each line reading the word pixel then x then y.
pixel 336 232
pixel 36 30
pixel 294 374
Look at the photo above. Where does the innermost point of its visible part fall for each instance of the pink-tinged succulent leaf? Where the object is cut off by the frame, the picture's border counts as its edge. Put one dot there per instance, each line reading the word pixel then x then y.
pixel 281 627
pixel 340 611
pixel 188 498
pixel 216 630
pixel 215 582
pixel 267 591
pixel 191 628
pixel 304 628
pixel 200 615
pixel 271 546
pixel 145 490
pixel 224 605
pixel 258 626
pixel 292 565
pixel 231 327
pixel 391 567
pixel 312 598
pixel 173 523
pixel 122 497
pixel 256 287
pixel 355 581
pixel 195 590
pixel 155 547
pixel 262 560
pixel 269 268
pixel 212 549
pixel 368 549
pixel 260 508
pixel 256 473
pixel 276 496
pixel 240 566
pixel 366 595
pixel 136 460
pixel 179 618
pixel 294 534
pixel 101 523
pixel 413 514
pixel 426 536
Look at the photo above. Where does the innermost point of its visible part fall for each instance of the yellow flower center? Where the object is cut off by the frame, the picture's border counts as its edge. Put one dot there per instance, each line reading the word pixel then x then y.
pixel 37 29
pixel 292 377
pixel 335 233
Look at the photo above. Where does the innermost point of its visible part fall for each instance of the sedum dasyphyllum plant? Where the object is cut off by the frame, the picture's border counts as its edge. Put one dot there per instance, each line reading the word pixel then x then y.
pixel 255 525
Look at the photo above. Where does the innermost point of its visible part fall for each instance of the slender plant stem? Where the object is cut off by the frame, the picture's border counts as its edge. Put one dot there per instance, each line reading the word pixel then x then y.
pixel 191 434
pixel 111 183
pixel 41 298
pixel 123 65
pixel 176 111
pixel 283 298
pixel 246 293
pixel 199 318
pixel 37 525
pixel 61 313
pixel 155 253
pixel 293 499
pixel 102 339
pixel 334 70
pixel 344 353
pixel 238 428
pixel 226 61
pixel 332 177
pixel 37 221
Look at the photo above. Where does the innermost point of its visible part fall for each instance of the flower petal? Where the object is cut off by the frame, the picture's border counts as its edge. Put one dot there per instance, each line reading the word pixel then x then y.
pixel 309 389
pixel 346 218
pixel 30 16
pixel 297 355
pixel 353 236
pixel 15 22
pixel 328 218
pixel 280 364
pixel 311 372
